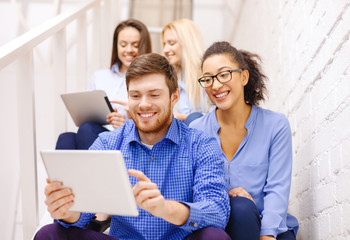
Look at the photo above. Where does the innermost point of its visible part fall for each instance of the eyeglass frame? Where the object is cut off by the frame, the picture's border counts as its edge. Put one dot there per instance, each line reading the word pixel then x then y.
pixel 216 76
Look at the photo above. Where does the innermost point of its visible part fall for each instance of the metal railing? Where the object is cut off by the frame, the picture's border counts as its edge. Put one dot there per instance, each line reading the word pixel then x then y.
pixel 21 50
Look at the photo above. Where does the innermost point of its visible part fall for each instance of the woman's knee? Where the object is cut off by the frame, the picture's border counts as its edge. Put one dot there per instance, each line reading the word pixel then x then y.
pixel 244 221
pixel 87 134
pixel 91 128
pixel 192 116
pixel 241 207
pixel 66 141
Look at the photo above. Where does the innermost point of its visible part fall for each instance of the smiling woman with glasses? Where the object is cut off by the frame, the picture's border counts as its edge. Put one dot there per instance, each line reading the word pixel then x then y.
pixel 257 144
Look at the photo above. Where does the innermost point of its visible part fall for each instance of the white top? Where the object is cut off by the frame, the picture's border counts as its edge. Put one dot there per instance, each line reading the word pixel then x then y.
pixel 113 83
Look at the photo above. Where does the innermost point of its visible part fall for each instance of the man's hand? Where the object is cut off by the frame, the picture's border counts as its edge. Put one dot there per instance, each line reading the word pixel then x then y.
pixel 240 192
pixel 147 194
pixel 115 119
pixel 267 238
pixel 59 200
pixel 149 198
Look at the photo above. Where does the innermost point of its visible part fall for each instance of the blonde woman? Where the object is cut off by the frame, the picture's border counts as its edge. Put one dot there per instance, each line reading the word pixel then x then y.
pixel 183 47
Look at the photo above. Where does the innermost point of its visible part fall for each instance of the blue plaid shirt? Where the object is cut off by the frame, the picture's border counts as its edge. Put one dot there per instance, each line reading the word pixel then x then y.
pixel 187 166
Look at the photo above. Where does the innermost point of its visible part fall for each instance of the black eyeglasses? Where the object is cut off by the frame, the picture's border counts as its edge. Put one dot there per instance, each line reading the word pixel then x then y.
pixel 224 76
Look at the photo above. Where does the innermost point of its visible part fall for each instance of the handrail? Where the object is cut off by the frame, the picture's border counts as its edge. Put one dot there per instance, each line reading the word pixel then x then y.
pixel 27 41
pixel 20 50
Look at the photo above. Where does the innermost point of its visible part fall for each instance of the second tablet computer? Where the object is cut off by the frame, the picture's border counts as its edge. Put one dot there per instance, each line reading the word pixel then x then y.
pixel 88 106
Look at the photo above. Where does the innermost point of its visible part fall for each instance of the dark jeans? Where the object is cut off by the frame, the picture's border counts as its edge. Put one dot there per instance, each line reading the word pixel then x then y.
pixel 83 139
pixel 55 231
pixel 245 223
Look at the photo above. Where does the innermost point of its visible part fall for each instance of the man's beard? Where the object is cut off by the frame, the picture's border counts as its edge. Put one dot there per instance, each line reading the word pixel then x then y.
pixel 162 122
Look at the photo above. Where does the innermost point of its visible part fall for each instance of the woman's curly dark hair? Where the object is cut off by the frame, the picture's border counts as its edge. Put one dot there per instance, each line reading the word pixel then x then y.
pixel 255 90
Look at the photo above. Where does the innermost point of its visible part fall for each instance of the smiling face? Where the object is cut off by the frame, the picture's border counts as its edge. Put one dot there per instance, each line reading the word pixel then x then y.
pixel 128 46
pixel 150 106
pixel 225 95
pixel 172 48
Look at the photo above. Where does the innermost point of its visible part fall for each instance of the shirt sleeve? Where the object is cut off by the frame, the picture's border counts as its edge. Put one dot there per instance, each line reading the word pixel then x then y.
pixel 210 206
pixel 83 220
pixel 278 182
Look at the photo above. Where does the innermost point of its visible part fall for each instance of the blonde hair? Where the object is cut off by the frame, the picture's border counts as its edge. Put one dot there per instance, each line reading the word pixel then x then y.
pixel 191 42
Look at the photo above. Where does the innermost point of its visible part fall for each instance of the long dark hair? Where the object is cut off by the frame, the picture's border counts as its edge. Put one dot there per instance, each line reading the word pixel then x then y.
pixel 145 39
pixel 255 90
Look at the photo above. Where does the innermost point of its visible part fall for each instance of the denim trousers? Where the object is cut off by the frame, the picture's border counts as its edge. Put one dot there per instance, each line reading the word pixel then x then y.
pixel 83 139
pixel 244 222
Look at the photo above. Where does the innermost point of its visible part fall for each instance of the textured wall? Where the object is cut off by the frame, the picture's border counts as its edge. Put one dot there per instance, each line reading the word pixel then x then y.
pixel 306 54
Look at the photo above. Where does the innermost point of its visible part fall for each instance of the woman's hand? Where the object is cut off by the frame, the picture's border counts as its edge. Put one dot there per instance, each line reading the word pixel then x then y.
pixel 115 119
pixel 124 104
pixel 267 238
pixel 240 192
pixel 180 116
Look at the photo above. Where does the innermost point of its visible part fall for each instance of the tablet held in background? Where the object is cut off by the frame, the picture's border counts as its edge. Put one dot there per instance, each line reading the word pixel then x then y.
pixel 88 106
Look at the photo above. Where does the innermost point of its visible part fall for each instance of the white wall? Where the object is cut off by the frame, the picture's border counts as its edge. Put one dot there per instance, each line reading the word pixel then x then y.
pixel 306 52
pixel 35 13
pixel 217 19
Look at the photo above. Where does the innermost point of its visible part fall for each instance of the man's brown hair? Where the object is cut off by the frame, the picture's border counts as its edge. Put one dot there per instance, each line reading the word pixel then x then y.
pixel 152 63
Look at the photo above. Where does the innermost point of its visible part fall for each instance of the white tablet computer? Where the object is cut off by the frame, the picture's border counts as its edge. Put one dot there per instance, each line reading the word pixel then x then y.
pixel 98 179
pixel 87 106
